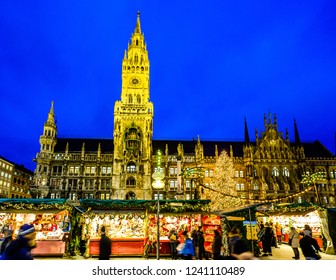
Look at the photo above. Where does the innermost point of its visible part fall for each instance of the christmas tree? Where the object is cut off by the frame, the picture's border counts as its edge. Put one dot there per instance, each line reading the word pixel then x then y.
pixel 223 193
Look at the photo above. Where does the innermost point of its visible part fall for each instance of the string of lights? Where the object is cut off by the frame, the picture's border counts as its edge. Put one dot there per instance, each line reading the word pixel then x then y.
pixel 309 180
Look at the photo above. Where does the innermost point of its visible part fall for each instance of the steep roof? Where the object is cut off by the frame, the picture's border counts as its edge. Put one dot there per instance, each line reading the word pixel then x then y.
pixel 91 145
pixel 312 149
pixel 316 149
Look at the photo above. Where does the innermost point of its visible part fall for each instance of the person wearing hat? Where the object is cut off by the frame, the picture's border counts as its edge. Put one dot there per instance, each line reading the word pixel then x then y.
pixel 20 248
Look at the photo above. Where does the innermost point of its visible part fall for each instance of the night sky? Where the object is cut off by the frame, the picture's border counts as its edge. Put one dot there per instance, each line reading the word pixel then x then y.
pixel 213 63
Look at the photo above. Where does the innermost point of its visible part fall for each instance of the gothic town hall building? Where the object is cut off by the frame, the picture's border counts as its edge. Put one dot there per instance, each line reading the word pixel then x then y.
pixel 271 167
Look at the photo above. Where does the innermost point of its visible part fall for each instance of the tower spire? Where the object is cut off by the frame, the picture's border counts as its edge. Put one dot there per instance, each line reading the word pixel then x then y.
pixel 137 26
pixel 246 136
pixel 51 116
pixel 296 134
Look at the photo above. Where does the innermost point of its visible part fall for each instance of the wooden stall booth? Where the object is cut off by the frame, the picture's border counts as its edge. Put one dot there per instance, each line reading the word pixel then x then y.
pixel 124 221
pixel 297 215
pixel 50 218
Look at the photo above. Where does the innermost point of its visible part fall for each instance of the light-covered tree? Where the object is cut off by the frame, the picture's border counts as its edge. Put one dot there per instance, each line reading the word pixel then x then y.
pixel 223 193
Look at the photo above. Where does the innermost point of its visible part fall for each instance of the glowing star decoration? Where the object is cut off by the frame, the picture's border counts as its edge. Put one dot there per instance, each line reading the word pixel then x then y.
pixel 223 192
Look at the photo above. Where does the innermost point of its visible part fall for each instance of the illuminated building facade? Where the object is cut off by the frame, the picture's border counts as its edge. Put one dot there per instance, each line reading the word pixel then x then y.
pixel 121 168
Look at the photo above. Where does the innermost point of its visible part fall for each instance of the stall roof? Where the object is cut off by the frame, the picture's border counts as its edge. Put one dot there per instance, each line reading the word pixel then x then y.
pixel 234 210
pixel 165 205
pixel 289 209
pixel 19 205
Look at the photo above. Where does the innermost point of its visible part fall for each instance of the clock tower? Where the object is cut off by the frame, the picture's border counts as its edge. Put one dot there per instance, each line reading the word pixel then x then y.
pixel 133 124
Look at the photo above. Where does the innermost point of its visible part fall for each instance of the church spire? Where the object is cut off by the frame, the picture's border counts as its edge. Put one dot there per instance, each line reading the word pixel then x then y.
pixel 246 136
pixel 51 117
pixel 137 26
pixel 296 134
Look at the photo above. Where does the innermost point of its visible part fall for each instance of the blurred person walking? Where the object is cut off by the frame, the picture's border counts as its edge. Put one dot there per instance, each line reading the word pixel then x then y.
pixel 8 238
pixel 309 246
pixel 20 248
pixel 187 251
pixel 237 245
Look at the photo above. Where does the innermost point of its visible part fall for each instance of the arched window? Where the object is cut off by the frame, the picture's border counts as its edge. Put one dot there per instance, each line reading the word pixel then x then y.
pixel 130 99
pixel 138 99
pixel 130 182
pixel 275 171
pixel 131 196
pixel 285 172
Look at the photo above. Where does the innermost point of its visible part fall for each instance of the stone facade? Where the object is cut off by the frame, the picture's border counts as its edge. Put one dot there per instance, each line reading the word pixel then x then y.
pixel 271 167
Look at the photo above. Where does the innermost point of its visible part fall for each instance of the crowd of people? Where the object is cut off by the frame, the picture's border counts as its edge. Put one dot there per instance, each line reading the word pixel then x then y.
pixel 270 235
pixel 191 246
pixel 184 245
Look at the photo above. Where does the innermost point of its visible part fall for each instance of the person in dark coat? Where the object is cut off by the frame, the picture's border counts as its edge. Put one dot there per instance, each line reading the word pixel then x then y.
pixel 217 245
pixel 309 246
pixel 237 245
pixel 104 246
pixel 173 240
pixel 266 239
pixel 20 248
pixel 6 241
pixel 200 240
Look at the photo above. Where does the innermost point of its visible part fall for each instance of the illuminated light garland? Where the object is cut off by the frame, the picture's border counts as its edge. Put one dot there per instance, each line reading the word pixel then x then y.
pixel 307 179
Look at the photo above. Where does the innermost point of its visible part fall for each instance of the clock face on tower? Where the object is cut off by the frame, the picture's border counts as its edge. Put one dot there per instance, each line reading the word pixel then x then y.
pixel 135 81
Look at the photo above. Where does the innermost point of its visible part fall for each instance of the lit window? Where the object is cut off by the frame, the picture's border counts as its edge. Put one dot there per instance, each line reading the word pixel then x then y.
pixel 131 167
pixel 285 172
pixel 241 173
pixel 173 185
pixel 275 171
pixel 106 170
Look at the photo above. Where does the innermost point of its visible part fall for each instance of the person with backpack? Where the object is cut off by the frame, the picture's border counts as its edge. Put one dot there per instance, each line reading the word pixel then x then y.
pixel 173 240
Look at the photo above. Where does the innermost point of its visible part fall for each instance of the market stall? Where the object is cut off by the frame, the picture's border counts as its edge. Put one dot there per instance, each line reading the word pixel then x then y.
pixel 296 215
pixel 132 225
pixel 183 215
pixel 50 218
pixel 180 221
pixel 124 221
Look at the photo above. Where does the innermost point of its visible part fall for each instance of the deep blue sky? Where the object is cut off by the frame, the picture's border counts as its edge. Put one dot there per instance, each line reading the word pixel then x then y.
pixel 213 63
